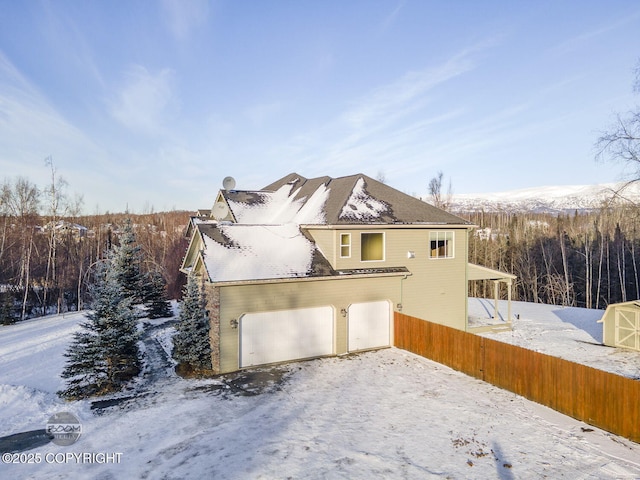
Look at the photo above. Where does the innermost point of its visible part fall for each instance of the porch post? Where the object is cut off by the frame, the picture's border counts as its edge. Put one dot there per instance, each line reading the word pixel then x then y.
pixel 509 300
pixel 496 290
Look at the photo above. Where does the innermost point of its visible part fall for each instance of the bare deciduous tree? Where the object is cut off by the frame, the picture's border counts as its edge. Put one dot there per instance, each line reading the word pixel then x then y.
pixel 621 142
pixel 438 198
pixel 21 202
pixel 56 208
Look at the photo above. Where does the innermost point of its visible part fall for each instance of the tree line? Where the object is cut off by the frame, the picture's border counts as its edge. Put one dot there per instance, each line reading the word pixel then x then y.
pixel 588 259
pixel 48 261
pixel 585 259
pixel 49 250
pixel 105 354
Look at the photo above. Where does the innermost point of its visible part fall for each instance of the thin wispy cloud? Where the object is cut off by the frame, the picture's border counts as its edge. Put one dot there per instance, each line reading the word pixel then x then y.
pixel 27 119
pixel 390 19
pixel 31 129
pixel 261 113
pixel 579 41
pixel 183 16
pixel 181 93
pixel 12 81
pixel 141 103
pixel 378 127
pixel 389 103
pixel 64 36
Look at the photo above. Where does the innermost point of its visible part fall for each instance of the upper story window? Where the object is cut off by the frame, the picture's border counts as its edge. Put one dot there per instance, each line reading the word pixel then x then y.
pixel 345 245
pixel 371 246
pixel 441 244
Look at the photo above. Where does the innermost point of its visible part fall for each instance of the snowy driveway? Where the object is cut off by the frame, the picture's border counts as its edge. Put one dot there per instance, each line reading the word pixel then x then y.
pixel 384 414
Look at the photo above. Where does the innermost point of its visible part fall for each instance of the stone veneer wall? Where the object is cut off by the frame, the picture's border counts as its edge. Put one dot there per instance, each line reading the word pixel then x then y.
pixel 213 307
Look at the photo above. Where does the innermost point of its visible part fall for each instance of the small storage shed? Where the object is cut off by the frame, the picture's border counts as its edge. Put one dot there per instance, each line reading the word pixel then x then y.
pixel 621 325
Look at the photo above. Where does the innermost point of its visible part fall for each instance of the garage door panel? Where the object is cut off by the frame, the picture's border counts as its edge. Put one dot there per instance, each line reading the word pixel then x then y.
pixel 369 325
pixel 270 337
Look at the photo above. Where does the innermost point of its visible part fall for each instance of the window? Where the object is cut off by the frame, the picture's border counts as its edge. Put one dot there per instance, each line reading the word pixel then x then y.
pixel 371 247
pixel 345 245
pixel 441 244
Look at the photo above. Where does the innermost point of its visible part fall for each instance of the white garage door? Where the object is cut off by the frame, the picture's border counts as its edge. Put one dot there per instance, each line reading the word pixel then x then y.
pixel 269 337
pixel 369 325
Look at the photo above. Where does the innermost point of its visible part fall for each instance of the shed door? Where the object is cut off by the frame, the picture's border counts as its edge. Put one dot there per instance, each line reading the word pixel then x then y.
pixel 369 325
pixel 280 336
pixel 628 328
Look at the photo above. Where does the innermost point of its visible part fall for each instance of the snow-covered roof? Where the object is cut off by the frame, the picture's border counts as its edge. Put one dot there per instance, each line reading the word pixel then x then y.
pixel 361 206
pixel 355 199
pixel 266 237
pixel 279 207
pixel 64 225
pixel 254 252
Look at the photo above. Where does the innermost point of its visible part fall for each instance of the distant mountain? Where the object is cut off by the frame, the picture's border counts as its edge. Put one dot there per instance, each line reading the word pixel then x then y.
pixel 554 199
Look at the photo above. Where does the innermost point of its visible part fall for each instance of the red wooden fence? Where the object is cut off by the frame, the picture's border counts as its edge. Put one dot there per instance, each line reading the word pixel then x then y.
pixel 599 398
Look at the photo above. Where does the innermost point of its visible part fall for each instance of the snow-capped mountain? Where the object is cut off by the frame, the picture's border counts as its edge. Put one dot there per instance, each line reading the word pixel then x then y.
pixel 551 199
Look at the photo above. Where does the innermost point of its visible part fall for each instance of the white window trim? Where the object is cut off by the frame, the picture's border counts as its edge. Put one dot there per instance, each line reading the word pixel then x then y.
pixel 453 242
pixel 348 235
pixel 384 247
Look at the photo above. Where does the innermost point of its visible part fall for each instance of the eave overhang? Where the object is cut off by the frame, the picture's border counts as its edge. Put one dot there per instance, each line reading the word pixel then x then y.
pixel 340 275
pixel 379 226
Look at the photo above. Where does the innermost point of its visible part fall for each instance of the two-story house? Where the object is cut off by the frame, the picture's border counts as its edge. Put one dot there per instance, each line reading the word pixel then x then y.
pixel 312 267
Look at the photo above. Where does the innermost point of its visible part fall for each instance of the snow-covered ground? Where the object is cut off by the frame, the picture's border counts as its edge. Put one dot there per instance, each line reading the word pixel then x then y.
pixel 571 333
pixel 383 414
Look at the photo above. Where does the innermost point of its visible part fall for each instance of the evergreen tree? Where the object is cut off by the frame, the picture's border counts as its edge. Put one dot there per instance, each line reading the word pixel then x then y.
pixel 157 305
pixel 8 314
pixel 127 258
pixel 191 345
pixel 104 354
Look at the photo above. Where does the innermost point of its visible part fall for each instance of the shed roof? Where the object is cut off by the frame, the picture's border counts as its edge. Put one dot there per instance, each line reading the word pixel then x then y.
pixel 478 272
pixel 608 313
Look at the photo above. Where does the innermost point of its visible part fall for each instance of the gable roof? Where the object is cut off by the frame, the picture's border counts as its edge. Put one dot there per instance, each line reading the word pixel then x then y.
pixel 355 199
pixel 264 235
pixel 236 252
pixel 286 204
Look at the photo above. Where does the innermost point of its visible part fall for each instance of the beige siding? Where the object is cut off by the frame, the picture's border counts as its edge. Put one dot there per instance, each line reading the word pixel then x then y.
pixel 437 288
pixel 326 242
pixel 192 251
pixel 609 326
pixel 339 293
pixel 629 311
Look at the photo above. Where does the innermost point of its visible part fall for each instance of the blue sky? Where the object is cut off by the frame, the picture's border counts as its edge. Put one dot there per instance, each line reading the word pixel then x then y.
pixel 151 104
